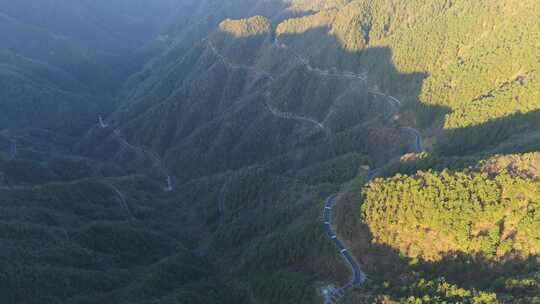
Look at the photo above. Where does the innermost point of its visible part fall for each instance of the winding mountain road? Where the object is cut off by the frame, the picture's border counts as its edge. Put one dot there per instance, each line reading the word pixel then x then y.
pixel 358 276
pixel 156 160
pixel 396 101
pixel 232 65
pixel 288 115
pixel 417 138
pixel 272 110
pixel 328 73
pixel 304 61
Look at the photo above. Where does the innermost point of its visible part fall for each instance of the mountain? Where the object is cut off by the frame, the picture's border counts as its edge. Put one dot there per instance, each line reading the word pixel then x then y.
pixel 269 151
pixel 68 57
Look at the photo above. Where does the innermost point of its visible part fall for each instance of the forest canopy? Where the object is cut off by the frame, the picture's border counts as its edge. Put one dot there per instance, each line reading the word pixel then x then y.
pixel 243 28
pixel 432 214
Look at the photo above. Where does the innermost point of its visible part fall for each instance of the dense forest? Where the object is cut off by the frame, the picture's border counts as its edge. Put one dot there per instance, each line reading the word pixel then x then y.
pixel 188 151
pixel 454 223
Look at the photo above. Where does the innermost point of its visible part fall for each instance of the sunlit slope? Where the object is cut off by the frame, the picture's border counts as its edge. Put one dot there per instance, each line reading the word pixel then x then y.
pixel 261 119
pixel 472 230
pixel 434 214
pixel 235 99
pixel 256 139
pixel 481 58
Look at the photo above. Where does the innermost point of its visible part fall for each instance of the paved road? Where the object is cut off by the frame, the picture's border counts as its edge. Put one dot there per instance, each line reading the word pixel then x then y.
pixel 13 149
pixel 396 101
pixel 329 73
pixel 419 143
pixel 101 122
pixel 169 186
pixel 418 138
pixel 304 61
pixel 358 276
pixel 289 115
pixel 372 174
pixel 274 111
pixel 157 162
pixel 234 65
pixel 123 202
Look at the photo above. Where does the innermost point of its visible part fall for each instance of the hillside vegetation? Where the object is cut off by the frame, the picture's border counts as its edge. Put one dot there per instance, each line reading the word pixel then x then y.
pixel 477 228
pixel 431 215
pixel 61 61
pixel 462 47
pixel 223 134
pixel 241 99
pixel 253 26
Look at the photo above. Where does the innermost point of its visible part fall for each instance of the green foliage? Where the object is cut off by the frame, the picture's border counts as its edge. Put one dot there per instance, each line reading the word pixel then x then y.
pixel 353 26
pixel 248 181
pixel 242 28
pixel 316 5
pixel 470 80
pixel 427 161
pixel 283 287
pixel 478 228
pixel 30 101
pixel 26 171
pixel 525 165
pixel 433 214
pixel 73 243
pixel 339 170
pixel 440 291
pixel 301 25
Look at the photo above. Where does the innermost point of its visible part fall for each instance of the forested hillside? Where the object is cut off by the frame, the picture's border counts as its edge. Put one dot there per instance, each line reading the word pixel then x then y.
pixel 262 151
pixel 478 227
pixel 61 61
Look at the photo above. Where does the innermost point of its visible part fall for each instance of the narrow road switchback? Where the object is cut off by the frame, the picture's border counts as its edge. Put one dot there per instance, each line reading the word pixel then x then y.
pixel 358 276
pixel 157 162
